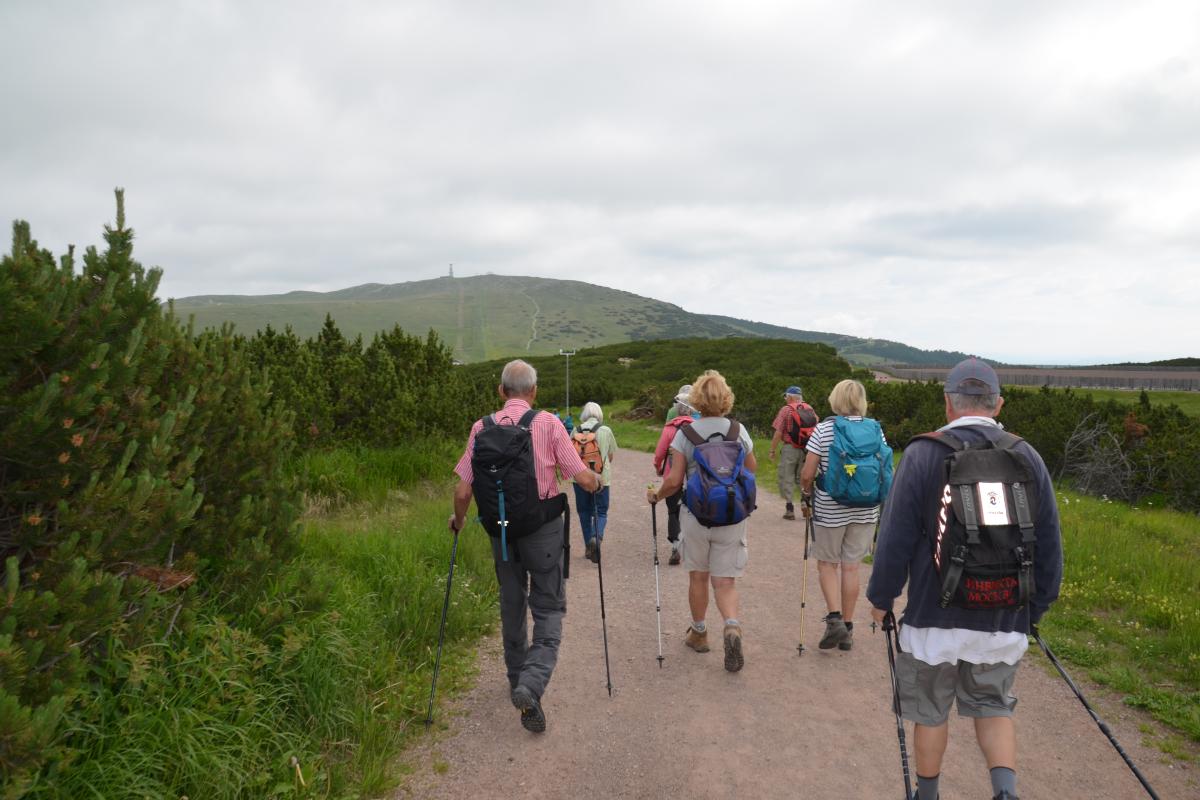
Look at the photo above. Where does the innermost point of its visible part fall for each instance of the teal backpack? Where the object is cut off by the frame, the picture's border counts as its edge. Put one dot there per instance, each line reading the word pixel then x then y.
pixel 860 464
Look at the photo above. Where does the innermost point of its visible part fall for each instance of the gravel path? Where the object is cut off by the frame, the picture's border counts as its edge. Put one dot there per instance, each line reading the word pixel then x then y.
pixel 816 726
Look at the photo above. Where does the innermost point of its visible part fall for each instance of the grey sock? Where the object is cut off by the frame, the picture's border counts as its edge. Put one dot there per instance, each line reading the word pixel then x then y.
pixel 928 787
pixel 1004 780
pixel 699 627
pixel 731 622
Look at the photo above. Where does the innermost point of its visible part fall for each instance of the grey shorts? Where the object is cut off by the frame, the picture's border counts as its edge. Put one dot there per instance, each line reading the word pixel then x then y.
pixel 845 544
pixel 927 691
pixel 721 552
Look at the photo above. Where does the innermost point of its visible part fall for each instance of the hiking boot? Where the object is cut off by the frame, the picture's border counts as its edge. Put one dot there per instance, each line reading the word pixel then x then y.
pixel 849 642
pixel 532 717
pixel 697 640
pixel 835 631
pixel 734 660
pixel 591 552
pixel 790 513
pixel 1006 796
pixel 675 558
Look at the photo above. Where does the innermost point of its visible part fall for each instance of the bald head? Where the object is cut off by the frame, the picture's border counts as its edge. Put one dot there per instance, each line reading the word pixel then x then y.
pixel 518 380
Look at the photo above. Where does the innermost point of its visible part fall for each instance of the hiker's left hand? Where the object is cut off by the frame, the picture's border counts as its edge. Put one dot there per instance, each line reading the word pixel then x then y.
pixel 651 495
pixel 878 614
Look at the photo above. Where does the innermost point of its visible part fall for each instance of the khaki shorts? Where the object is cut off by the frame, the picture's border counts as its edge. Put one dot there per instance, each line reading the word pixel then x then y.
pixel 722 551
pixel 846 544
pixel 927 691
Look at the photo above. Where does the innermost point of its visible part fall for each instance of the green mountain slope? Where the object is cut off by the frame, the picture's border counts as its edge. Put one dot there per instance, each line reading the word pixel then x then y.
pixel 495 316
pixel 854 349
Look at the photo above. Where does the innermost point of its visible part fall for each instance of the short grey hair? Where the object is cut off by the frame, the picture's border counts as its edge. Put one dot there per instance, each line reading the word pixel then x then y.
pixel 518 379
pixel 591 411
pixel 968 403
pixel 798 396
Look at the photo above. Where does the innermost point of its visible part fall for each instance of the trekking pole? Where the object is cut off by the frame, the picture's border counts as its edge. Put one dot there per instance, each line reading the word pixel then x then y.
pixel 889 630
pixel 1103 726
pixel 657 595
pixel 600 572
pixel 437 662
pixel 808 534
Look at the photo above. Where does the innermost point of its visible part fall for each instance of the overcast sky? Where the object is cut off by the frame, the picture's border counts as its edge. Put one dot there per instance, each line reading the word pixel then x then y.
pixel 1016 179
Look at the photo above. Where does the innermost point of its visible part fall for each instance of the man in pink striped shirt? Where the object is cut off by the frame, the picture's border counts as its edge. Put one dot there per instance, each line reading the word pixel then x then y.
pixel 529 568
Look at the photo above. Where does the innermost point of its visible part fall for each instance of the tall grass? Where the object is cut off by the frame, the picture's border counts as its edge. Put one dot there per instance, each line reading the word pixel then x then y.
pixel 333 478
pixel 331 666
pixel 1130 606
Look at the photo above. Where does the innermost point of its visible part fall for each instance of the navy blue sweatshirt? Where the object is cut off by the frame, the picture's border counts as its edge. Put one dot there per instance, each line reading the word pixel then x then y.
pixel 904 552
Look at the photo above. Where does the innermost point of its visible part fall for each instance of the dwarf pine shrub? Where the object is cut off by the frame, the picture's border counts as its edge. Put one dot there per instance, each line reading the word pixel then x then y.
pixel 141 468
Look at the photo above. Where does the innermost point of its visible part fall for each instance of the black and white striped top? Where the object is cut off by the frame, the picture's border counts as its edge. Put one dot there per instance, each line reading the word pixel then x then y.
pixel 826 512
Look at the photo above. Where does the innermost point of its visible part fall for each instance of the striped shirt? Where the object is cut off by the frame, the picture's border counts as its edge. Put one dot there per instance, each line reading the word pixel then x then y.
pixel 552 448
pixel 826 512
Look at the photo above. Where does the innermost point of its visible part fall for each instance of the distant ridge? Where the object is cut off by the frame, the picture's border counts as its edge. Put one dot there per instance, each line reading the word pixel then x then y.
pixel 494 316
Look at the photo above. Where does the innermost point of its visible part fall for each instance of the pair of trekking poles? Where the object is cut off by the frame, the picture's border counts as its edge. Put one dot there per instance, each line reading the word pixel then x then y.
pixel 893 645
pixel 437 662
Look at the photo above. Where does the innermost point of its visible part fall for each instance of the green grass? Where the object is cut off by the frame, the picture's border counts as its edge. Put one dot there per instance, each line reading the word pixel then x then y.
pixel 331 664
pixel 1130 608
pixel 333 478
pixel 1188 402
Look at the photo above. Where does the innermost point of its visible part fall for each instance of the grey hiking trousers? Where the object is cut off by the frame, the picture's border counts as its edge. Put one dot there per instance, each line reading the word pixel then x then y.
pixel 791 461
pixel 532 578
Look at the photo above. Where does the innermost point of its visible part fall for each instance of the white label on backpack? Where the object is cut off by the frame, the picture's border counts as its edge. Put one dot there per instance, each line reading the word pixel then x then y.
pixel 993 506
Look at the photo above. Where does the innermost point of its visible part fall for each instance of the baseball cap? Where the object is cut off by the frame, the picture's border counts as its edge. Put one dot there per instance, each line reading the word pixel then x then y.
pixel 793 390
pixel 972 376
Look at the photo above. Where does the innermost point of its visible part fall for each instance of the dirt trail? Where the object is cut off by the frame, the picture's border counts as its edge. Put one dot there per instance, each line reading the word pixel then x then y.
pixel 817 726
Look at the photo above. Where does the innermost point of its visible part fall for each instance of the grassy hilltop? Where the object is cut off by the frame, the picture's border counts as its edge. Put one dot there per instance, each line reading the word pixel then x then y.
pixel 494 316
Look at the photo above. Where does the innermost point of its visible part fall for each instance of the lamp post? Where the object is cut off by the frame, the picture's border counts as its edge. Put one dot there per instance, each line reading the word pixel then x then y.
pixel 568 354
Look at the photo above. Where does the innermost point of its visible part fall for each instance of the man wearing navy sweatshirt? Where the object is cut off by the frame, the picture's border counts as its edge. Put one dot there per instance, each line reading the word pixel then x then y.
pixel 950 652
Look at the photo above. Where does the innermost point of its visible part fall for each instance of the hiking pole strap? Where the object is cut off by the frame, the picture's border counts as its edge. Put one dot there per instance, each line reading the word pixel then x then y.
pixel 1091 711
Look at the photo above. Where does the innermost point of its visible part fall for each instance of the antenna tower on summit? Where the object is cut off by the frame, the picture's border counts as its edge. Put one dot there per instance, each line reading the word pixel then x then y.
pixel 451 270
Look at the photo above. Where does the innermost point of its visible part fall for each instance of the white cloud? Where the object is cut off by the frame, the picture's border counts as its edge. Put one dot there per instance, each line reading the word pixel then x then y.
pixel 1009 179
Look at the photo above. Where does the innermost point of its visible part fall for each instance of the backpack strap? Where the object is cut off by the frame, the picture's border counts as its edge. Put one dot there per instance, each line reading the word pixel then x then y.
pixel 527 418
pixel 489 421
pixel 735 428
pixel 690 434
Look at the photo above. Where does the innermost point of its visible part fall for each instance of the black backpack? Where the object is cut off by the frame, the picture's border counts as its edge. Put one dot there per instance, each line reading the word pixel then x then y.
pixel 799 425
pixel 505 483
pixel 983 535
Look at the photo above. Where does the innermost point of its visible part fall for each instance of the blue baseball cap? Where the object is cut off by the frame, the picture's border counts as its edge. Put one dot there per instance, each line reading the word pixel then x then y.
pixel 793 390
pixel 972 376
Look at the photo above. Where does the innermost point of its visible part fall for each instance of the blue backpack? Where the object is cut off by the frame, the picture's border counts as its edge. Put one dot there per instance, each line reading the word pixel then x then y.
pixel 721 491
pixel 860 464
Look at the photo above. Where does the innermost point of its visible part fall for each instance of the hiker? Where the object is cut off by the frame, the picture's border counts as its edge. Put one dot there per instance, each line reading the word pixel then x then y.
pixel 680 414
pixel 793 427
pixel 968 646
pixel 715 553
pixel 841 532
pixel 528 545
pixel 596 446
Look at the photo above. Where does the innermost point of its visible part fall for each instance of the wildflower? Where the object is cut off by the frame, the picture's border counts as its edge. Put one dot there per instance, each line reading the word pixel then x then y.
pixel 64 457
pixel 65 378
pixel 68 422
pixel 34 519
pixel 77 440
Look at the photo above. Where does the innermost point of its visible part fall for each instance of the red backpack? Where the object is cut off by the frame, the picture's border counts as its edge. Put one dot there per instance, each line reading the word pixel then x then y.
pixel 799 425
